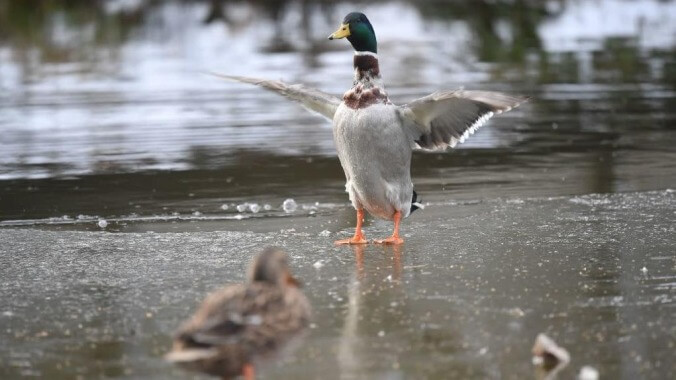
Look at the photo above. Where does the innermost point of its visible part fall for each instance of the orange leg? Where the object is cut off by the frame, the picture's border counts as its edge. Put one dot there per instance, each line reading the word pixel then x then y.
pixel 358 237
pixel 248 372
pixel 395 238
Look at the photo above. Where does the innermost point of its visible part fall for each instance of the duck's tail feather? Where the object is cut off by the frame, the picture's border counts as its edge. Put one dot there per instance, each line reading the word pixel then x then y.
pixel 416 202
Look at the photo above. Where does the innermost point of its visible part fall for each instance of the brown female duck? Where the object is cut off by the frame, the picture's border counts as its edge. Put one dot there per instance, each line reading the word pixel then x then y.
pixel 243 324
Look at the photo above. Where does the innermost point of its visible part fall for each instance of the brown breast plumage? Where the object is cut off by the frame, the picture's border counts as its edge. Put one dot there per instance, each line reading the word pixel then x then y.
pixel 359 97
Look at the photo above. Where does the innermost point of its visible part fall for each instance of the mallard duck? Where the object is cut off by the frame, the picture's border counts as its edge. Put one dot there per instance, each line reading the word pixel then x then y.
pixel 375 138
pixel 242 324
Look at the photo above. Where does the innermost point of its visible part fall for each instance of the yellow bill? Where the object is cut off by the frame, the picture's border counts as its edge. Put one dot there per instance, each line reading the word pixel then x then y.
pixel 342 32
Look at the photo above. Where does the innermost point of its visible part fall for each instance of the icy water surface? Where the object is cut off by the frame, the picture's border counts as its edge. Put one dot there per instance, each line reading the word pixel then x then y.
pixel 464 297
pixel 131 183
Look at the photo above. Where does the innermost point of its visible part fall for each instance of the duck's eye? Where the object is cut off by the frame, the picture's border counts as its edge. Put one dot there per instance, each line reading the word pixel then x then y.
pixel 345 28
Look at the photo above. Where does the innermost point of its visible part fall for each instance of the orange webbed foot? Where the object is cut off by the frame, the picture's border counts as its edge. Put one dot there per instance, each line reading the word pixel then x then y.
pixel 358 237
pixel 392 240
pixel 351 241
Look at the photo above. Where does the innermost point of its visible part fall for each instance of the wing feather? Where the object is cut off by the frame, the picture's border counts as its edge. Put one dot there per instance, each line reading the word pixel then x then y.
pixel 446 118
pixel 312 99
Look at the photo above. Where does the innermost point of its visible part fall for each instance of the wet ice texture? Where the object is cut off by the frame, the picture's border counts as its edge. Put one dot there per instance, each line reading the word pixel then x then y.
pixel 463 298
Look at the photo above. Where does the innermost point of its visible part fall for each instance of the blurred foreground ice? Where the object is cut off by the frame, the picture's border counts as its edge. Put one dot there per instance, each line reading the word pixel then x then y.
pixel 464 296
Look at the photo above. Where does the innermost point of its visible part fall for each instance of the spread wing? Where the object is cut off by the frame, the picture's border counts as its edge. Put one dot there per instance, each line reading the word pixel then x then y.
pixel 312 99
pixel 445 118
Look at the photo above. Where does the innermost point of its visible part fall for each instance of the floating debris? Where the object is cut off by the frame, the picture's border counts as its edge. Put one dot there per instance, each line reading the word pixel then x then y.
pixel 267 207
pixel 588 373
pixel 548 350
pixel 242 207
pixel 289 205
pixel 309 207
pixel 318 264
pixel 224 207
pixel 325 233
pixel 254 207
pixel 644 270
pixel 102 223
pixel 549 356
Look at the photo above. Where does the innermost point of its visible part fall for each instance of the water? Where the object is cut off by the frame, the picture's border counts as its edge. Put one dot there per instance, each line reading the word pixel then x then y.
pixel 463 298
pixel 541 222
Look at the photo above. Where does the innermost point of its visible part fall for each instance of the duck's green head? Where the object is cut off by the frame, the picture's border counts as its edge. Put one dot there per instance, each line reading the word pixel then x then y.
pixel 358 30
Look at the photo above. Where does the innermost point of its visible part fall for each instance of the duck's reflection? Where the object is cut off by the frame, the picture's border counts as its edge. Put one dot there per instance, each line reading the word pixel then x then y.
pixel 396 261
pixel 358 250
pixel 348 360
pixel 394 251
pixel 371 292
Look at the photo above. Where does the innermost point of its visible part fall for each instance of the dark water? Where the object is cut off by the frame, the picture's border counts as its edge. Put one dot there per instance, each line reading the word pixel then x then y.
pixel 106 113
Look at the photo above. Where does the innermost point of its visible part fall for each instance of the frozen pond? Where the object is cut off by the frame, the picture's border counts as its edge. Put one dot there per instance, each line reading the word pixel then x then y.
pixel 558 217
pixel 463 298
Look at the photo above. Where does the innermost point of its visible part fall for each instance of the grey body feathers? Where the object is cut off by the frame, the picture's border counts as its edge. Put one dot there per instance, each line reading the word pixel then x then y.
pixel 375 153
